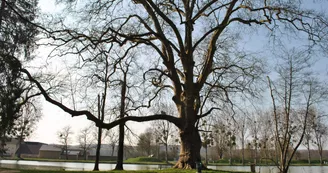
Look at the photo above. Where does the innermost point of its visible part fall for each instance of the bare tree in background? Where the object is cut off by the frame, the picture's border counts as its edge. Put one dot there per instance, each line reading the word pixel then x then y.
pixel 164 131
pixel 292 95
pixel 26 123
pixel 111 137
pixel 145 142
pixel 85 139
pixel 308 134
pixel 206 133
pixel 220 138
pixel 320 129
pixel 64 136
pixel 266 142
pixel 243 127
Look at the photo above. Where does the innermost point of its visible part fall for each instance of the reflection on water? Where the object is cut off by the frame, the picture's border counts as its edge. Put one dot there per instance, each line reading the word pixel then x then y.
pixel 271 169
pixel 23 164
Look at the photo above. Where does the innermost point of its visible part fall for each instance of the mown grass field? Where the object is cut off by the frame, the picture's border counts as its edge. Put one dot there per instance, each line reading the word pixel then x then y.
pixel 141 171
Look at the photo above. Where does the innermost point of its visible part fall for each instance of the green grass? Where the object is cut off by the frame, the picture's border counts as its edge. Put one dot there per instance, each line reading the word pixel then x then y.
pixel 144 160
pixel 142 171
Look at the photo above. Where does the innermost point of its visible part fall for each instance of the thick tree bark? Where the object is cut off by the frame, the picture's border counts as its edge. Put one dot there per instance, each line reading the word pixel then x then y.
pixel 101 117
pixel 96 167
pixel 189 148
pixel 119 163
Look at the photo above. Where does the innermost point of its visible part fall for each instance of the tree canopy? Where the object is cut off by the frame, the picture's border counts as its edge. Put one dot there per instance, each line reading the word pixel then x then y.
pixel 190 50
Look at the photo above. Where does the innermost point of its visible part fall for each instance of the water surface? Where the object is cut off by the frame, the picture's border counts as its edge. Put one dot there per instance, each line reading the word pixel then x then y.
pixel 24 164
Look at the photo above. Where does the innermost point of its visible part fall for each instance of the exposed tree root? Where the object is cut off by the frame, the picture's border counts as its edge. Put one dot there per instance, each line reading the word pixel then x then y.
pixel 185 165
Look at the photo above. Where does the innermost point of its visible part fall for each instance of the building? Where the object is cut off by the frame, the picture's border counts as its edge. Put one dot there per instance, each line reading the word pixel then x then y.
pixel 106 153
pixel 73 153
pixel 29 149
pixel 50 152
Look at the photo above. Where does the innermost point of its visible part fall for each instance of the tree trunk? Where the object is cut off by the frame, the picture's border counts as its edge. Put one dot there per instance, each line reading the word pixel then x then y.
pixel 119 163
pixel 320 155
pixel 189 148
pixel 230 155
pixel 96 167
pixel 19 149
pixel 158 151
pixel 113 148
pixel 255 157
pixel 309 156
pixel 166 154
pixel 206 161
pixel 120 152
pixel 66 153
pixel 243 153
pixel 101 117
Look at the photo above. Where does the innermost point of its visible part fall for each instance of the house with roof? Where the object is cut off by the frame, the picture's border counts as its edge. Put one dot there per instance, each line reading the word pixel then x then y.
pixel 50 152
pixel 106 153
pixel 73 153
pixel 29 149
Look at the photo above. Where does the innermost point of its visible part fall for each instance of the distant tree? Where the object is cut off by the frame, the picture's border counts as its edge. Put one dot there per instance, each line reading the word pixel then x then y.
pixel 220 138
pixel 206 133
pixel 308 134
pixel 164 131
pixel 111 137
pixel 320 136
pixel 242 126
pixel 64 136
pixel 85 139
pixel 26 123
pixel 231 143
pixel 146 142
pixel 254 132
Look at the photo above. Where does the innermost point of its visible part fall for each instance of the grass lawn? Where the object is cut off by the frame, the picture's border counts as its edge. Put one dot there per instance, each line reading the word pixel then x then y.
pixel 142 171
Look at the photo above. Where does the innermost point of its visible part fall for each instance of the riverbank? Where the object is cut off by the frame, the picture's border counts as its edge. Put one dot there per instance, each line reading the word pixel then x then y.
pixel 139 160
pixel 154 161
pixel 113 171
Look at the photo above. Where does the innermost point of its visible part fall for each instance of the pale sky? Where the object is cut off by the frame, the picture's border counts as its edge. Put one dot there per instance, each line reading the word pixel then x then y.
pixel 55 119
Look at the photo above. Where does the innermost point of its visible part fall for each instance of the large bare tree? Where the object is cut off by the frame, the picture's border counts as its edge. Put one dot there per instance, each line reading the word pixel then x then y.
pixel 195 45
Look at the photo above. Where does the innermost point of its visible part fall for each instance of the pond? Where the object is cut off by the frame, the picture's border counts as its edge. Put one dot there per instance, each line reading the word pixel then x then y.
pixel 271 169
pixel 24 164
